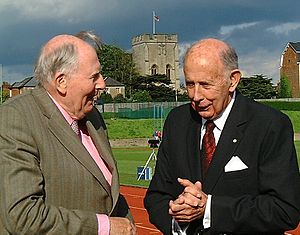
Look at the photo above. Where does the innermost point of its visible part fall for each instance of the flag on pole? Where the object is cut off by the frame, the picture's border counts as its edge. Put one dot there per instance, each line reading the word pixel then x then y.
pixel 154 19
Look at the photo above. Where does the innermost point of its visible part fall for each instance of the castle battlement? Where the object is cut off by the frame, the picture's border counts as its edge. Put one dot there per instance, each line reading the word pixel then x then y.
pixel 154 38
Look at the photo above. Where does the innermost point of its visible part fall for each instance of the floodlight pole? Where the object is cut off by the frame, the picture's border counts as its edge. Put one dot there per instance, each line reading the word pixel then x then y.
pixel 176 98
pixel 1 75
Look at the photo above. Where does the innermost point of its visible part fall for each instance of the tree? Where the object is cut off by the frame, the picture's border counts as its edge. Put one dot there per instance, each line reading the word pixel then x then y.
pixel 141 96
pixel 183 96
pixel 117 64
pixel 159 87
pixel 257 87
pixel 284 90
pixel 4 94
pixel 106 98
pixel 120 99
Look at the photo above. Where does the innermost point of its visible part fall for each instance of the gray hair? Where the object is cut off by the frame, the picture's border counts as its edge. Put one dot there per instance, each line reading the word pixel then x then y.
pixel 63 58
pixel 229 58
pixel 91 38
pixel 230 61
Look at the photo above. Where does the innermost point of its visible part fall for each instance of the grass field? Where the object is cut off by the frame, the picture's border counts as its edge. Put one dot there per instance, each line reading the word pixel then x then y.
pixel 119 128
pixel 130 158
pixel 295 118
pixel 297 145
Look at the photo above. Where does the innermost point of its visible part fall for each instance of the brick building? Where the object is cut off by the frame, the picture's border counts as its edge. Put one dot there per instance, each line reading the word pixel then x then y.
pixel 20 87
pixel 289 66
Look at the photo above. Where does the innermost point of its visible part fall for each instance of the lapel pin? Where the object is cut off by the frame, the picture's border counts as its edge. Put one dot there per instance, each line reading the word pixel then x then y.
pixel 234 140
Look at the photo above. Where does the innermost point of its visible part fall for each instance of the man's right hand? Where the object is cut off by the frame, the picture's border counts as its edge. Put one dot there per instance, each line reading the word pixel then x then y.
pixel 120 225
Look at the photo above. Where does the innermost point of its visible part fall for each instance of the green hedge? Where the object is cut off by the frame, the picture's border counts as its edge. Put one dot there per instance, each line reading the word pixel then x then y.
pixel 108 115
pixel 283 105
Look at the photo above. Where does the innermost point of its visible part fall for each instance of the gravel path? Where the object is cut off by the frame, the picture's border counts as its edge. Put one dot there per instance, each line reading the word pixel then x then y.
pixel 139 142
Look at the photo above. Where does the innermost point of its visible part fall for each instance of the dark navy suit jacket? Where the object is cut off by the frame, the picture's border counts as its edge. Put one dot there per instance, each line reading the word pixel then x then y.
pixel 262 199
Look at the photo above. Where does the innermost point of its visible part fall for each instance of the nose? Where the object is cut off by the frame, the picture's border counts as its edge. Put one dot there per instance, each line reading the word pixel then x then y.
pixel 198 94
pixel 100 83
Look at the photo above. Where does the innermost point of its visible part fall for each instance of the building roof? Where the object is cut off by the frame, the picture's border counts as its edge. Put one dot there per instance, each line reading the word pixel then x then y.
pixel 112 82
pixel 296 46
pixel 26 82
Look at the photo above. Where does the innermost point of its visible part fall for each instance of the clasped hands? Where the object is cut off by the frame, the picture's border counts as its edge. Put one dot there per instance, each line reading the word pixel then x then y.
pixel 190 204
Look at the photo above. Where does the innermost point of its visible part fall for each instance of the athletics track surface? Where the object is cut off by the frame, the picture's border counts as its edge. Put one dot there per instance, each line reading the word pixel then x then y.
pixel 135 197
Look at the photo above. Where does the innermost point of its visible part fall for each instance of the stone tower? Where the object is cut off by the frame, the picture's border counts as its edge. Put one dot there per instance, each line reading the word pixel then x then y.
pixel 157 54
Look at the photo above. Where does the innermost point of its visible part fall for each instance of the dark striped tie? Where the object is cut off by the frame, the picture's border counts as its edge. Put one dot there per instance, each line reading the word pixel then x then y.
pixel 208 146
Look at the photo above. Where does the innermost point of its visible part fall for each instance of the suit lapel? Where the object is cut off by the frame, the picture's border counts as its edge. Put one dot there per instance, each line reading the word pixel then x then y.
pixel 193 146
pixel 230 138
pixel 101 142
pixel 66 136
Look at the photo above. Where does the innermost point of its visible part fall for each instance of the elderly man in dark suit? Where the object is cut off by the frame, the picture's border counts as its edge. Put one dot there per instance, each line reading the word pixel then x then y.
pixel 226 164
pixel 57 172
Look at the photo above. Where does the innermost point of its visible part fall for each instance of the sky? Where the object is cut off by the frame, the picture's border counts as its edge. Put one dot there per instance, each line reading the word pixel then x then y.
pixel 259 30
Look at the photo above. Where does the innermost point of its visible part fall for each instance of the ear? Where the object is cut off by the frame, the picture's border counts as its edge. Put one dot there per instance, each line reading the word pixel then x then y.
pixel 61 83
pixel 235 77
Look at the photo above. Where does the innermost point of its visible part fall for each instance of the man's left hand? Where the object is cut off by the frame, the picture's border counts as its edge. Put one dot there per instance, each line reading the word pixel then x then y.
pixel 190 204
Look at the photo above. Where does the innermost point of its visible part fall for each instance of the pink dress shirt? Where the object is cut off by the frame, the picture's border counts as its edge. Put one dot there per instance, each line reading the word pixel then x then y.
pixel 103 221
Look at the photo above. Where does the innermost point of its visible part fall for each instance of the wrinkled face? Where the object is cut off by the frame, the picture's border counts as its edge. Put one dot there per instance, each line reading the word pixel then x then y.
pixel 207 85
pixel 83 85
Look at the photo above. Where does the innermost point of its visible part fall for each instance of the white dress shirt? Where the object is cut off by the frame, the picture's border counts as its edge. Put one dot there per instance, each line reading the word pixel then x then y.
pixel 220 123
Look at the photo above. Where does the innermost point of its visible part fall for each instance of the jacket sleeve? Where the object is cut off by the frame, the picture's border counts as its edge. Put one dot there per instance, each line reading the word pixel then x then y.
pixel 161 189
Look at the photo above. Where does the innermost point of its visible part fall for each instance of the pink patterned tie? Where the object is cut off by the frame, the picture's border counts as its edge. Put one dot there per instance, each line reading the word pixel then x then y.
pixel 74 126
pixel 208 146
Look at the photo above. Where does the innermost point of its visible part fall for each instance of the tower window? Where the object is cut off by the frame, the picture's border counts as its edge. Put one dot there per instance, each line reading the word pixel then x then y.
pixel 154 69
pixel 168 71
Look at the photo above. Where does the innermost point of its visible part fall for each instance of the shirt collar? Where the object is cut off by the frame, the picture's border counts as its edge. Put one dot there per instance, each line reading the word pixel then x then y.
pixel 221 120
pixel 68 118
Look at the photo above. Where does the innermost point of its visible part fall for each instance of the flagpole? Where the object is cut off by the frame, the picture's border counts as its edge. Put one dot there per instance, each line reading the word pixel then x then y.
pixel 153 22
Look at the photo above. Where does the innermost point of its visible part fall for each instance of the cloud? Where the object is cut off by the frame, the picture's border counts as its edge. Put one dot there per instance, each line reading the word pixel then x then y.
pixel 57 10
pixel 226 30
pixel 260 61
pixel 182 48
pixel 26 24
pixel 16 72
pixel 284 28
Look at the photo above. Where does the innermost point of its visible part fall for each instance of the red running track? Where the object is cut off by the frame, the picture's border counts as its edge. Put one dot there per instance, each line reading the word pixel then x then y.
pixel 135 197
